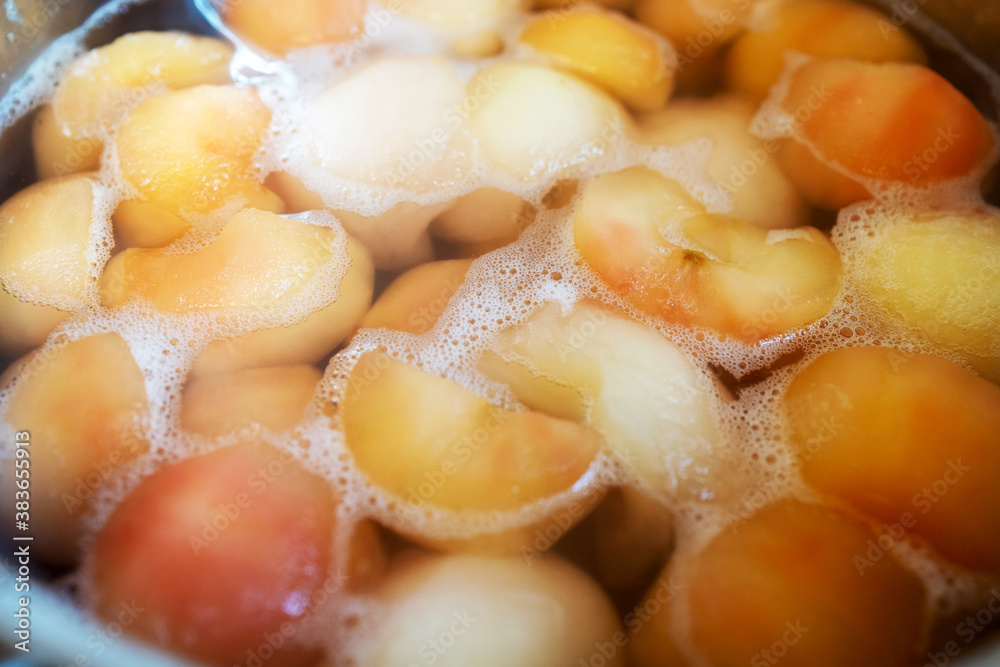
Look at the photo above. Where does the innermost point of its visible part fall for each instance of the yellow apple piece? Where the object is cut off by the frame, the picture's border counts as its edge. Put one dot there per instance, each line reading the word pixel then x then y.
pixel 473 610
pixel 274 398
pixel 220 552
pixel 285 25
pixel 44 241
pixel 414 301
pixel 534 123
pixel 656 246
pixel 784 588
pixel 57 154
pixel 82 404
pixel 939 274
pixel 908 439
pixel 103 84
pixel 258 264
pixel 636 388
pixel 608 50
pixel 862 118
pixel 820 28
pixel 744 165
pixel 190 152
pixel 467 454
pixel 486 216
pixel 706 24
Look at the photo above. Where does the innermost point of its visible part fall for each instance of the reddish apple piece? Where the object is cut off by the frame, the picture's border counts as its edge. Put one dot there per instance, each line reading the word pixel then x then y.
pixel 414 301
pixel 82 404
pixel 656 246
pixel 220 551
pixel 471 610
pixel 274 398
pixel 44 237
pixel 280 26
pixel 485 458
pixel 821 28
pixel 910 439
pixel 891 122
pixel 785 585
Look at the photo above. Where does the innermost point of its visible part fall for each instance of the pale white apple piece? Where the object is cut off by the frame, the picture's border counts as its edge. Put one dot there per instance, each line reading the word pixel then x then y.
pixel 939 274
pixel 473 610
pixel 393 123
pixel 654 407
pixel 535 123
pixel 274 398
pixel 44 236
pixel 260 262
pixel 462 15
pixel 744 165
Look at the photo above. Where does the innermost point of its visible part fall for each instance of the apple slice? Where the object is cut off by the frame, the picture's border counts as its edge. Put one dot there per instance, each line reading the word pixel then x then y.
pixel 221 552
pixel 281 26
pixel 939 274
pixel 450 448
pixel 273 398
pixel 656 246
pixel 83 404
pixel 910 439
pixel 632 385
pixel 486 216
pixel 258 264
pixel 57 154
pixel 820 28
pixel 861 117
pixel 192 151
pixel 473 610
pixel 105 83
pixel 785 587
pixel 741 163
pixel 608 50
pixel 414 301
pixel 534 123
pixel 44 241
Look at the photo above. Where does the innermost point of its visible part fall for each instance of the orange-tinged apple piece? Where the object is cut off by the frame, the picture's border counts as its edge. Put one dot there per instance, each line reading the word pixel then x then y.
pixel 656 246
pixel 891 122
pixel 496 611
pixel 486 216
pixel 477 456
pixel 280 26
pixel 259 263
pixel 695 26
pixel 57 154
pixel 623 5
pixel 82 404
pixel 785 584
pixel 741 163
pixel 44 238
pixel 414 301
pixel 274 398
pixel 649 401
pixel 909 439
pixel 939 274
pixel 219 551
pixel 820 28
pixel 609 50
pixel 192 151
pixel 104 83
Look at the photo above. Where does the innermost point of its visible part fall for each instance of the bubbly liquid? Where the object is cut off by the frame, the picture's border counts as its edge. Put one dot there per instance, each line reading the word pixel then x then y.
pixel 501 290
